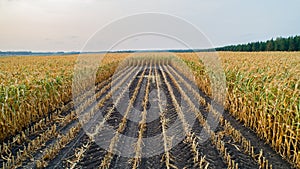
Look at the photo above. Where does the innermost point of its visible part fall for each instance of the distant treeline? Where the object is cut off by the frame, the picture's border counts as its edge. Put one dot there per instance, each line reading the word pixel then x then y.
pixel 14 53
pixel 279 44
pixel 163 50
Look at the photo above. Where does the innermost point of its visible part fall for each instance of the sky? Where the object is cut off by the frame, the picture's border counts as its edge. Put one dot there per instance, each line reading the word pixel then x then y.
pixel 67 25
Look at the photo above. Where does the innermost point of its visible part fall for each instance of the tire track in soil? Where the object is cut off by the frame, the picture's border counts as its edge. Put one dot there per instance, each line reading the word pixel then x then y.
pixel 182 147
pixel 208 150
pixel 132 127
pixel 153 128
pixel 123 161
pixel 181 151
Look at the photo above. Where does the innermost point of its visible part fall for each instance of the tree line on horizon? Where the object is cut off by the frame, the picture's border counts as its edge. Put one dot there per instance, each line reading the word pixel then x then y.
pixel 279 44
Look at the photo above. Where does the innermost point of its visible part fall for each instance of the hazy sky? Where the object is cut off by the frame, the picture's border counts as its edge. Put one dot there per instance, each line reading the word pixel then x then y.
pixel 66 25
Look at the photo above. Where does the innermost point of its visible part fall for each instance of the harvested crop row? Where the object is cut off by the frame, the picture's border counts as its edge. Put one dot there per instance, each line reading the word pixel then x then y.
pixel 142 125
pixel 190 137
pixel 167 157
pixel 108 157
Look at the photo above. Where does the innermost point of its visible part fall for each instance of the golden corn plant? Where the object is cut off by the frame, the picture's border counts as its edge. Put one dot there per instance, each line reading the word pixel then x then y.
pixel 262 92
pixel 33 86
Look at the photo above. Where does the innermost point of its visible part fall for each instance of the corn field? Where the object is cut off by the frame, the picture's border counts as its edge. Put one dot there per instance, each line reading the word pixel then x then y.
pixel 259 128
pixel 263 93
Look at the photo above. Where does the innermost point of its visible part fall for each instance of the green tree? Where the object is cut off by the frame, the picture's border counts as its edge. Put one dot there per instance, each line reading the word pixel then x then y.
pixel 270 45
pixel 291 44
